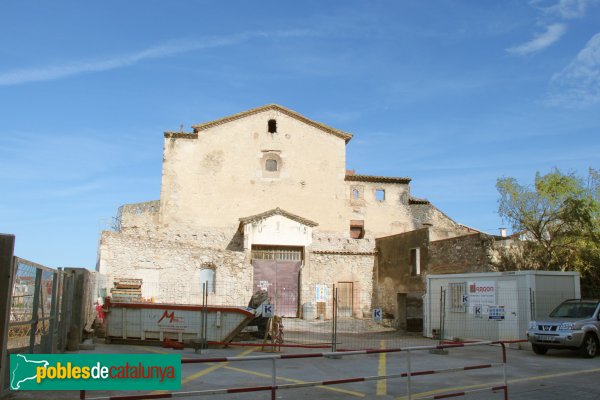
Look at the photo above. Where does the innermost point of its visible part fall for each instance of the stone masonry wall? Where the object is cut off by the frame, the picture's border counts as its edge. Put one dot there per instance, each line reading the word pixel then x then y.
pixel 394 274
pixel 171 269
pixel 461 254
pixel 332 268
pixel 170 265
pixel 441 226
pixel 139 215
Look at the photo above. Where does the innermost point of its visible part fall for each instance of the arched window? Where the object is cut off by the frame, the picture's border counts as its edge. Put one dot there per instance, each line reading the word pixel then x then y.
pixel 207 275
pixel 271 165
pixel 272 126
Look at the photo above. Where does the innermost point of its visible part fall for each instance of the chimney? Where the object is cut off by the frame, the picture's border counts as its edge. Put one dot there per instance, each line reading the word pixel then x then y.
pixel 503 232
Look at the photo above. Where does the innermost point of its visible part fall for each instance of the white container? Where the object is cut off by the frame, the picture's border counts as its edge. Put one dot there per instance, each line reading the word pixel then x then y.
pixel 494 305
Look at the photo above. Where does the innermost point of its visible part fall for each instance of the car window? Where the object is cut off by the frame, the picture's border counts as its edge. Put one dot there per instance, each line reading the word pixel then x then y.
pixel 574 310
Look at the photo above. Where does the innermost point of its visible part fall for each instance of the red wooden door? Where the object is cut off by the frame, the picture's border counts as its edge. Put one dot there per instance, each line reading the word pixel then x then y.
pixel 280 280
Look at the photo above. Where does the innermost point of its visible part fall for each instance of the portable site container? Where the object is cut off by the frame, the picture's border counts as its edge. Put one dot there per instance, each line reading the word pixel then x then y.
pixel 493 305
pixel 157 321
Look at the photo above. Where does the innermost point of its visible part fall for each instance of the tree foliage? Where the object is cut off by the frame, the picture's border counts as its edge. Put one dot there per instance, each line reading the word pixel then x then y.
pixel 558 219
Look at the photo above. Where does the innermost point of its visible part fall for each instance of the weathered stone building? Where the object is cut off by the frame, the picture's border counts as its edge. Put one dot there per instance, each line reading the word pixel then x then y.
pixel 262 199
pixel 405 259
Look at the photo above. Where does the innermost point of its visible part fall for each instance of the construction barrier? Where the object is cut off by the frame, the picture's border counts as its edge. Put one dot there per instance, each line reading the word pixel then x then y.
pixel 409 374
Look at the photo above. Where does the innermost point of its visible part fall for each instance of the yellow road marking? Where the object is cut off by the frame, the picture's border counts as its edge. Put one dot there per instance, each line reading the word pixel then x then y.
pixel 246 352
pixel 333 389
pixel 381 371
pixel 215 367
pixel 152 350
pixel 517 380
pixel 200 373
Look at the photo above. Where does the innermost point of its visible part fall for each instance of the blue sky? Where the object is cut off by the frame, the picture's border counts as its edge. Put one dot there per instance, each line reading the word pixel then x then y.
pixel 453 94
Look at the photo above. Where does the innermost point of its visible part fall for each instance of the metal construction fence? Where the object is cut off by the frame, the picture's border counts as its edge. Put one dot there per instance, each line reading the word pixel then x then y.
pixel 34 311
pixel 503 314
pixel 340 315
pixel 333 316
pixel 44 310
pixel 495 384
pixel 35 306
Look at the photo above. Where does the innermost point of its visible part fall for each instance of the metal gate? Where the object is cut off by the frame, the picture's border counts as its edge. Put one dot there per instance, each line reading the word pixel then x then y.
pixel 277 270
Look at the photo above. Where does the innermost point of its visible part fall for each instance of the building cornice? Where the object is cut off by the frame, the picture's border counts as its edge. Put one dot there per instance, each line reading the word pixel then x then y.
pixel 345 252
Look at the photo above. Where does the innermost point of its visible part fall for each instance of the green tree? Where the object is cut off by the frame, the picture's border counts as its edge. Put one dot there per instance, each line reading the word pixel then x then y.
pixel 558 219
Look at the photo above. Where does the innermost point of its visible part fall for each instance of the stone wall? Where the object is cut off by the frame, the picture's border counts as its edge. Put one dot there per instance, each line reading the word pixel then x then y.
pixel 170 265
pixel 225 238
pixel 331 268
pixel 440 225
pixel 469 253
pixel 385 216
pixel 171 269
pixel 139 215
pixel 220 175
pixel 398 291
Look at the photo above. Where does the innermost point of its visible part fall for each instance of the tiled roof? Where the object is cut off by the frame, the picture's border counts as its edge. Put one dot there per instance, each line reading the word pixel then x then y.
pixel 344 135
pixel 181 135
pixel 381 179
pixel 277 211
pixel 416 200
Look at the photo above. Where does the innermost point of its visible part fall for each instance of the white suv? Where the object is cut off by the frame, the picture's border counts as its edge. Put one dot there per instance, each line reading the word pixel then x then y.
pixel 574 324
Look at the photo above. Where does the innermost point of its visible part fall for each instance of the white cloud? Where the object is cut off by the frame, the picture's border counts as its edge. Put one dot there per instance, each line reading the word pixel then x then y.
pixel 541 41
pixel 579 83
pixel 46 73
pixel 570 9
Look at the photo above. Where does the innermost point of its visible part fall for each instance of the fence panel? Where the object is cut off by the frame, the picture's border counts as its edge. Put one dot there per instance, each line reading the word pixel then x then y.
pixel 314 326
pixel 34 301
pixel 502 312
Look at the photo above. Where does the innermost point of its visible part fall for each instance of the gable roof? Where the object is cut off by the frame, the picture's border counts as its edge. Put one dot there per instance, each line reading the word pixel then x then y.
pixel 290 113
pixel 277 211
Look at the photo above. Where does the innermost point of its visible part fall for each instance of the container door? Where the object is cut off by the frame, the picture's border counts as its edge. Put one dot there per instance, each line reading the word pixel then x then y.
pixel 508 329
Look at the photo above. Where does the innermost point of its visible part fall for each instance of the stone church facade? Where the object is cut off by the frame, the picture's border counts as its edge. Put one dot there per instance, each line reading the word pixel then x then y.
pixel 263 199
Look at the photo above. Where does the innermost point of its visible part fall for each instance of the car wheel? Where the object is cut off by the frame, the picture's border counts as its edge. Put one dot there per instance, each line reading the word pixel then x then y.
pixel 589 348
pixel 539 349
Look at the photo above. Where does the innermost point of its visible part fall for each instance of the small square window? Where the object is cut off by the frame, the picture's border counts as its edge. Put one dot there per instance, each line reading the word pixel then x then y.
pixel 380 194
pixel 271 165
pixel 272 126
pixel 357 229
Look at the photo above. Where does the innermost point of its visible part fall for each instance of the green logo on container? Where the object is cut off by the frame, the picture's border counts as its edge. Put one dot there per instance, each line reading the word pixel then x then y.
pixel 95 371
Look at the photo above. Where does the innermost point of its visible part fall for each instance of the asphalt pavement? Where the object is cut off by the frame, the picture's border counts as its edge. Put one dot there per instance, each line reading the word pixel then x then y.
pixel 557 375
